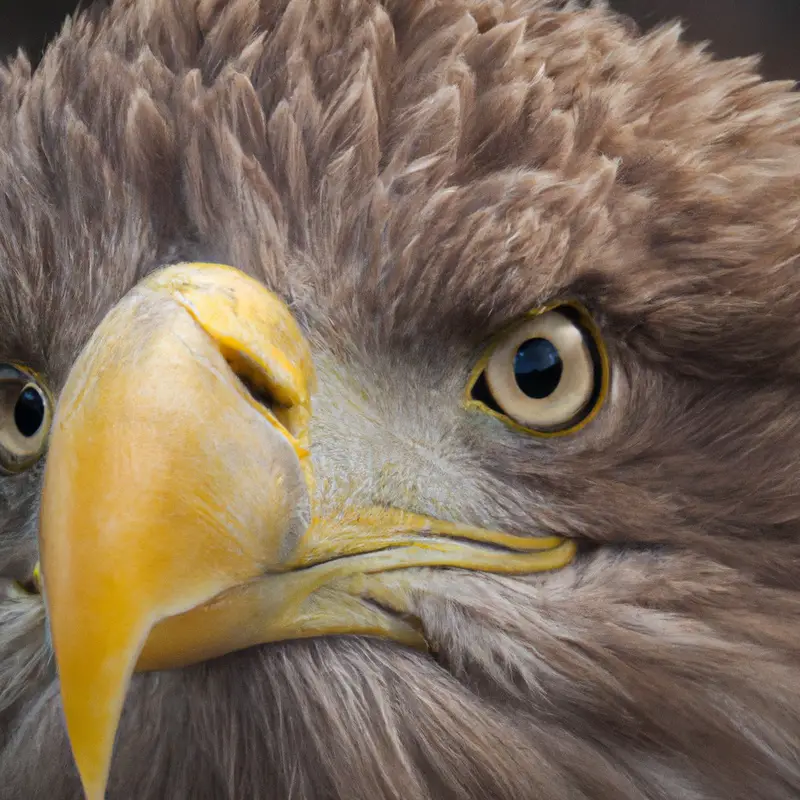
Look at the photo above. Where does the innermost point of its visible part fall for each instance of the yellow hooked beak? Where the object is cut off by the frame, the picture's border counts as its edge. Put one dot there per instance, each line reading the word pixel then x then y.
pixel 177 513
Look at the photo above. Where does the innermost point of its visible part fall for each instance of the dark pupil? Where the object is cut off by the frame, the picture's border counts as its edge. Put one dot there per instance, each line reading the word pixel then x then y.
pixel 537 368
pixel 29 412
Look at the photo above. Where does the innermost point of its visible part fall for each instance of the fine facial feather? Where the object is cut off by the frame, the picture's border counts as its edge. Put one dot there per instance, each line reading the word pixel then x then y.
pixel 410 177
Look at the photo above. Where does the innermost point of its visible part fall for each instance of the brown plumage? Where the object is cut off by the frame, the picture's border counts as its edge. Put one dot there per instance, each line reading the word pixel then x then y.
pixel 410 177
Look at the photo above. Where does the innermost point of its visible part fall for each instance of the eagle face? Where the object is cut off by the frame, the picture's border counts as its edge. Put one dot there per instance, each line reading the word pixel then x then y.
pixel 396 400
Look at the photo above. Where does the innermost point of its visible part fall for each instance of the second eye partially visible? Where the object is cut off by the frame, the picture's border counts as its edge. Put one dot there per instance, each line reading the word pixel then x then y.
pixel 25 413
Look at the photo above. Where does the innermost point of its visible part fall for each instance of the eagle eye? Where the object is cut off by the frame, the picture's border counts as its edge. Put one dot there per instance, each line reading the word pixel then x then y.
pixel 25 414
pixel 547 374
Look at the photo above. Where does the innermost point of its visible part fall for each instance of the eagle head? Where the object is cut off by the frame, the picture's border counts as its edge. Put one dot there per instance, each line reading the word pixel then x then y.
pixel 397 400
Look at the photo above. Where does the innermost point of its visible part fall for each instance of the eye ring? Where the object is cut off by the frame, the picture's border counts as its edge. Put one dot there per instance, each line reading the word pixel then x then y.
pixel 547 375
pixel 25 418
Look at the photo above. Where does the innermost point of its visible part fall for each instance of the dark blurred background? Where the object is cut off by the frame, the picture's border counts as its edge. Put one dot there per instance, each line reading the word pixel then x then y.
pixel 734 27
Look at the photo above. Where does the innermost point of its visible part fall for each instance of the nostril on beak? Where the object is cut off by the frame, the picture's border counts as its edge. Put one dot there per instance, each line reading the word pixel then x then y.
pixel 261 393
